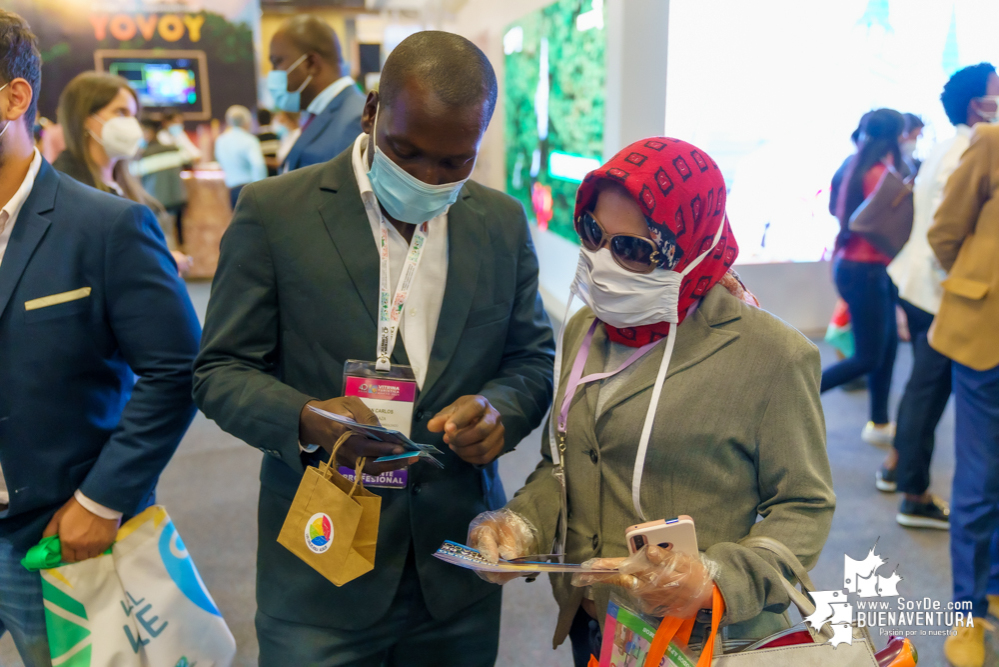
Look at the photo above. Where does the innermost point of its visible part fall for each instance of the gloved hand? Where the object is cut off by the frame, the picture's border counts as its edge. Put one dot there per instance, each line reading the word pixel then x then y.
pixel 501 534
pixel 663 582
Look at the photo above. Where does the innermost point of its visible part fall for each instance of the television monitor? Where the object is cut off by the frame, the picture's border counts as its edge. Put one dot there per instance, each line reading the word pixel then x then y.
pixel 176 79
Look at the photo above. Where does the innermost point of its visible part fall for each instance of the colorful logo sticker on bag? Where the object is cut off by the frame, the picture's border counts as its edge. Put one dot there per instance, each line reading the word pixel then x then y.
pixel 181 569
pixel 319 533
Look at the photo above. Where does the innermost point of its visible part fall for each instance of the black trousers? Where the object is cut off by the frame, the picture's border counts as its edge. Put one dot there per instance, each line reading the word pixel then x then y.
pixel 585 636
pixel 922 405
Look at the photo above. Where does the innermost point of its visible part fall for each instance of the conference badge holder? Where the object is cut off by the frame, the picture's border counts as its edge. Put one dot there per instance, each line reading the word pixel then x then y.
pixel 391 395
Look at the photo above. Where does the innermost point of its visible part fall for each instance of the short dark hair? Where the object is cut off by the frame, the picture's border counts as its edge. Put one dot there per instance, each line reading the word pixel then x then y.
pixel 912 122
pixel 455 69
pixel 170 113
pixel 263 117
pixel 964 86
pixel 311 34
pixel 20 58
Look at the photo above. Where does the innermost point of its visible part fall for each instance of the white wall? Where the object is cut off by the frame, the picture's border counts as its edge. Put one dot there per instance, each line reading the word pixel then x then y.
pixel 800 293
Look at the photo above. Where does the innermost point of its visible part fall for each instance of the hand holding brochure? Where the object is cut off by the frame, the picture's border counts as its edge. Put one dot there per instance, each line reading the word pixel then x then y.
pixel 469 558
pixel 382 434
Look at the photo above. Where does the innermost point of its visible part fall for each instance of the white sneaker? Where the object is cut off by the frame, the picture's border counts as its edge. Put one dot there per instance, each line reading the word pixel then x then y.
pixel 879 436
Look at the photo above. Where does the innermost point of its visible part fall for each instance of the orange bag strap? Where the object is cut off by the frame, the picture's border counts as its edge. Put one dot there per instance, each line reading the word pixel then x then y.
pixel 681 628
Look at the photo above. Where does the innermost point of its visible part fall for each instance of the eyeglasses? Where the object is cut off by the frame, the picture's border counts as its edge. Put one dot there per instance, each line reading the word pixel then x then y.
pixel 631 252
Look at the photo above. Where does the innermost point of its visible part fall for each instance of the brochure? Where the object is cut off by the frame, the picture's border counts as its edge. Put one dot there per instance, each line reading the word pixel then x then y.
pixel 382 434
pixel 469 558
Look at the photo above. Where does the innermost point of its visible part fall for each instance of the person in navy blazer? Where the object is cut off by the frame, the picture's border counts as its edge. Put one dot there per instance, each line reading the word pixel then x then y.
pixel 307 64
pixel 98 338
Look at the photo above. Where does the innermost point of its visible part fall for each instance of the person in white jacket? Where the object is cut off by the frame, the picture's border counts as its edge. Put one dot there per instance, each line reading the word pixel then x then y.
pixel 968 98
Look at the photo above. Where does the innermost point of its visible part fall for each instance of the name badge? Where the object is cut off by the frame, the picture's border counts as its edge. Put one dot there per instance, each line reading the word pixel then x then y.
pixel 391 395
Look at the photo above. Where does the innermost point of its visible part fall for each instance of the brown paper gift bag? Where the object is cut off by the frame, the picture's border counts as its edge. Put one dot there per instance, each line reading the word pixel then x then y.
pixel 333 524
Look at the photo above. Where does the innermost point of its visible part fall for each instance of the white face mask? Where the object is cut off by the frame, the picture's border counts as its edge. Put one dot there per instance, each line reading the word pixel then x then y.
pixel 907 148
pixel 622 298
pixel 990 112
pixel 120 137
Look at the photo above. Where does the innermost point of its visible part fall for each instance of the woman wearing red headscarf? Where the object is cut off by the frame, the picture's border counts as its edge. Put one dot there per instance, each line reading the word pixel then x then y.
pixel 676 396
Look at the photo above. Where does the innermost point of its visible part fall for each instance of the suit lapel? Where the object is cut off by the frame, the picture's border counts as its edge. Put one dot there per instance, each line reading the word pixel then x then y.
pixel 347 223
pixel 28 231
pixel 698 339
pixel 466 239
pixel 314 129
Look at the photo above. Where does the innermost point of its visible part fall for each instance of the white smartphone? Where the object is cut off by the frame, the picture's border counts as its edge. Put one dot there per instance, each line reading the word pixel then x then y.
pixel 677 534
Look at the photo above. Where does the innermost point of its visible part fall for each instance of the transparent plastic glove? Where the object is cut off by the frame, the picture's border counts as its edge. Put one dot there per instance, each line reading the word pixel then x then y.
pixel 501 534
pixel 663 582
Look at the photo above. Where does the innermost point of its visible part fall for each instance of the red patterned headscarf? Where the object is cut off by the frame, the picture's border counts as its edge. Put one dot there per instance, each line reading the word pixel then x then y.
pixel 681 191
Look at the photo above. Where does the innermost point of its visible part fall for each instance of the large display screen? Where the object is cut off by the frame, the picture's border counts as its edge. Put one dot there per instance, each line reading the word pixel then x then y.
pixel 554 105
pixel 160 84
pixel 772 90
pixel 163 79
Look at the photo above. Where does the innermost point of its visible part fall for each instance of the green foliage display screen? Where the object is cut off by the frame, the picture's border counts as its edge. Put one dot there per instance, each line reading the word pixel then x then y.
pixel 555 72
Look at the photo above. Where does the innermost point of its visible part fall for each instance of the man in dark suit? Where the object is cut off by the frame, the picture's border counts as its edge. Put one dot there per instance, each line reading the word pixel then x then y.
pixel 307 76
pixel 296 295
pixel 89 298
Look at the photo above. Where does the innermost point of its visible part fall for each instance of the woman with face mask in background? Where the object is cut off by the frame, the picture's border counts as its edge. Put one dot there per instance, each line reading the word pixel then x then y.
pixel 98 113
pixel 675 396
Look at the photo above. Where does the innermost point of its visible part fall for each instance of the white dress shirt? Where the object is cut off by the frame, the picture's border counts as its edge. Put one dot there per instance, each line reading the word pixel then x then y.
pixel 8 217
pixel 915 270
pixel 418 325
pixel 323 99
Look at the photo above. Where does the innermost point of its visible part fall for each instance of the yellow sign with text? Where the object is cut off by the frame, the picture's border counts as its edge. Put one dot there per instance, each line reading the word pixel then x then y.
pixel 125 27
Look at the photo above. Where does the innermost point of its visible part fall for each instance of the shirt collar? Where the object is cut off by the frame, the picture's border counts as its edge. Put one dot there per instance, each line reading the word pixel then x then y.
pixel 963 130
pixel 359 160
pixel 8 214
pixel 323 99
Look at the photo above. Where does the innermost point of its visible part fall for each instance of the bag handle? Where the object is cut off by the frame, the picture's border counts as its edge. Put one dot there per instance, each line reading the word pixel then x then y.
pixel 357 477
pixel 672 627
pixel 358 481
pixel 344 437
pixel 787 558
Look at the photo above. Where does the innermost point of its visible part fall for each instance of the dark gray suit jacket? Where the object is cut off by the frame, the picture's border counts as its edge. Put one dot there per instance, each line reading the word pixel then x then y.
pixel 294 297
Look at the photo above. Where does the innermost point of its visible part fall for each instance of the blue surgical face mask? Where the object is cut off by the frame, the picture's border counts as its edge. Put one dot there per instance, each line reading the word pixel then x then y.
pixel 403 196
pixel 176 130
pixel 281 131
pixel 277 86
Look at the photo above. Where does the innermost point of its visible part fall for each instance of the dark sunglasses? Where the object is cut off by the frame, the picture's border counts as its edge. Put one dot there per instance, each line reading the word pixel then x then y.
pixel 632 253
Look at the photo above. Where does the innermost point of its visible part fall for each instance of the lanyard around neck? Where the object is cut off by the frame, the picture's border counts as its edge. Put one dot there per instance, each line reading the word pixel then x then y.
pixel 390 307
pixel 576 375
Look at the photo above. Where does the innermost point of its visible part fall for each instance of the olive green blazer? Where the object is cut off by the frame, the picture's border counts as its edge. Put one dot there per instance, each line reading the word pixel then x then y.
pixel 738 444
